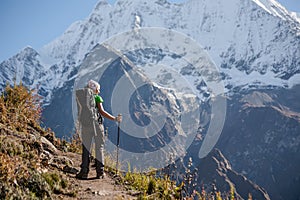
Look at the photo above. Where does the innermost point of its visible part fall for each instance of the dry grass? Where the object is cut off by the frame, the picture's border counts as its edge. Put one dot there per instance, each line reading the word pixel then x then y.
pixel 23 175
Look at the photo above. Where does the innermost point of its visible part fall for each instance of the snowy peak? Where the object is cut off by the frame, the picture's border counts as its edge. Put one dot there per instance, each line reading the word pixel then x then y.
pixel 271 6
pixel 101 3
pixel 27 51
pixel 296 16
pixel 275 8
pixel 24 67
pixel 251 41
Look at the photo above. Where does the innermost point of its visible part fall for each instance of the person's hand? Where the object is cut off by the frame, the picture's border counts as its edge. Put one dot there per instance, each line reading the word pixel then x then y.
pixel 119 118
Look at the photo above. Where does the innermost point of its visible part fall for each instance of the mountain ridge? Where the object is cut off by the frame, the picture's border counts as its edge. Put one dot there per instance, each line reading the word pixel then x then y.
pixel 81 36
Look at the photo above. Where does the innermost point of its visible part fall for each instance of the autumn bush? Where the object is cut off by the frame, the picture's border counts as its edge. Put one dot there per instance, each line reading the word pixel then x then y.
pixel 20 108
pixel 23 174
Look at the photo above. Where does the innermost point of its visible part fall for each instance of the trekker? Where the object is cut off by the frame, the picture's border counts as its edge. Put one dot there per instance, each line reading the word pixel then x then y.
pixel 90 117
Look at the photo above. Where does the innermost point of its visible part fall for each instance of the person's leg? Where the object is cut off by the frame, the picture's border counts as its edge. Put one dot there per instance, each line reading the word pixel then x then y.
pixel 99 145
pixel 85 156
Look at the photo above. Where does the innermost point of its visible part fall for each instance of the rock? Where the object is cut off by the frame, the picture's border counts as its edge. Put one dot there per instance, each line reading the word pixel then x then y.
pixel 46 156
pixel 70 170
pixel 63 160
pixel 47 145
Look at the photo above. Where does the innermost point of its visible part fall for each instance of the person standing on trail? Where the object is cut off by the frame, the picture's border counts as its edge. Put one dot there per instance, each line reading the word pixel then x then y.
pixel 90 117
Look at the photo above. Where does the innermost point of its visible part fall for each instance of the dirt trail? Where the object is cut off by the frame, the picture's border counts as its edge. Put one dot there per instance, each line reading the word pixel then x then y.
pixel 93 188
pixel 101 189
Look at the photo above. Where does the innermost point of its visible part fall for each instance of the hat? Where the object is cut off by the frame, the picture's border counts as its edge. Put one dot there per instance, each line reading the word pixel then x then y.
pixel 93 85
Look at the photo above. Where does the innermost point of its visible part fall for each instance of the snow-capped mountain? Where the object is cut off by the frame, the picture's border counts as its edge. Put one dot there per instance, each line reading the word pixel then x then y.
pixel 254 44
pixel 251 41
pixel 241 37
pixel 296 16
pixel 24 67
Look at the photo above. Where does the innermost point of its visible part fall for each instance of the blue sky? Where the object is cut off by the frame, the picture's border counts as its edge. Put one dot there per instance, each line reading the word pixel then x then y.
pixel 36 22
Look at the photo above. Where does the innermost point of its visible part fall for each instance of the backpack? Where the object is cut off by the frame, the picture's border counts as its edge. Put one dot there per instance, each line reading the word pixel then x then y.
pixel 86 107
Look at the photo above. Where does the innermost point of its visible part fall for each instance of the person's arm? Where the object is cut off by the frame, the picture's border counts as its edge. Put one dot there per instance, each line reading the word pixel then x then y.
pixel 106 114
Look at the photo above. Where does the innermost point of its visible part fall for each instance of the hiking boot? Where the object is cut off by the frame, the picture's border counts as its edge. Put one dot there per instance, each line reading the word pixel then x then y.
pixel 82 175
pixel 99 169
pixel 100 175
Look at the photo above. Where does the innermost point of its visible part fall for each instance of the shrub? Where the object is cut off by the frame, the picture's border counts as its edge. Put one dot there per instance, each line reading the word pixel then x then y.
pixel 20 108
pixel 21 168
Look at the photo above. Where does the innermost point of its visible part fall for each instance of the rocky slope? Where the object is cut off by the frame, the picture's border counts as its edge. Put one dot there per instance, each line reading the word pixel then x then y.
pixel 34 164
pixel 216 170
pixel 261 139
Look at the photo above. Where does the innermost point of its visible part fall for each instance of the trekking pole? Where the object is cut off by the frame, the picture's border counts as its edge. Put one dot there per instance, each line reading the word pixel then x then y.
pixel 118 144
